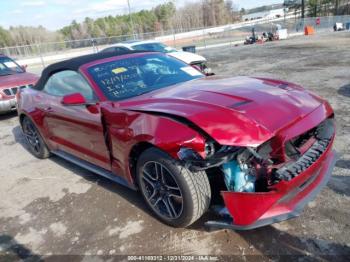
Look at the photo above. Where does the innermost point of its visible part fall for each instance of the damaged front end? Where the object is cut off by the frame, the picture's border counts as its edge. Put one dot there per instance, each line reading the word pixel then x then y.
pixel 258 186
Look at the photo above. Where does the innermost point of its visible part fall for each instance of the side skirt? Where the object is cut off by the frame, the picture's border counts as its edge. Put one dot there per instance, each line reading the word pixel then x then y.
pixel 93 168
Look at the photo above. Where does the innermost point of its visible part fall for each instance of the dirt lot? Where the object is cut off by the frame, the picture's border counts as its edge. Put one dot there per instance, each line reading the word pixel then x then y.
pixel 52 207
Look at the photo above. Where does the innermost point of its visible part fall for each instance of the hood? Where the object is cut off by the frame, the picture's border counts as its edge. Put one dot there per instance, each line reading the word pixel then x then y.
pixel 187 57
pixel 18 79
pixel 233 111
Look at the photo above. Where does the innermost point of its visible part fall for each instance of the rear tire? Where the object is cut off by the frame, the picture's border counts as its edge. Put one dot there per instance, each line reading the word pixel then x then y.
pixel 177 196
pixel 35 142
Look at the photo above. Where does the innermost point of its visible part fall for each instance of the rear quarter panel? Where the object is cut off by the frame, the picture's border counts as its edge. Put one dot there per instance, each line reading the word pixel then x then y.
pixel 27 101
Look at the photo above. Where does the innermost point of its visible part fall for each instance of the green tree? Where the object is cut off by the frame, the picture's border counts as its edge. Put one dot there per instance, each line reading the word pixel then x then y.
pixel 5 38
pixel 164 13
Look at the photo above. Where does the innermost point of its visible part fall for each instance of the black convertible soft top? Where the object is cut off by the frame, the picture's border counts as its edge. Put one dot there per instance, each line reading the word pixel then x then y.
pixel 75 63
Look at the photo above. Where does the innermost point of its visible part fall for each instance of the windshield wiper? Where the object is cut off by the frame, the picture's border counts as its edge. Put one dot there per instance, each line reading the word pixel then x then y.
pixel 145 92
pixel 6 74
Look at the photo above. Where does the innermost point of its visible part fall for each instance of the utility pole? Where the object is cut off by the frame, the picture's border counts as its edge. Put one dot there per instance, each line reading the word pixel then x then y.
pixel 303 9
pixel 131 21
pixel 336 7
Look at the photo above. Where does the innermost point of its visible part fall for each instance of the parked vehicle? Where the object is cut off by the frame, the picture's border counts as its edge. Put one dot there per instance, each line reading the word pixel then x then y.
pixel 189 58
pixel 12 78
pixel 254 150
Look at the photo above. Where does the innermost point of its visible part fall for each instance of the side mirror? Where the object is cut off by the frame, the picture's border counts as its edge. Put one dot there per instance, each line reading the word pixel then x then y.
pixel 24 68
pixel 73 100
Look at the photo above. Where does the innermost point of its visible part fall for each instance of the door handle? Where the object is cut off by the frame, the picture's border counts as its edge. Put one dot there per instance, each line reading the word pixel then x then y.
pixel 48 109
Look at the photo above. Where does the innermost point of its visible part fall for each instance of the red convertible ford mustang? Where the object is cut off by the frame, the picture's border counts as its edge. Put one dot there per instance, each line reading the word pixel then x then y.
pixel 253 150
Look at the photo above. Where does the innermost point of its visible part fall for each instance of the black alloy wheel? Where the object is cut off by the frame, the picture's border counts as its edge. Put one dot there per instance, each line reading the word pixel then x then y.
pixel 177 196
pixel 36 144
pixel 162 192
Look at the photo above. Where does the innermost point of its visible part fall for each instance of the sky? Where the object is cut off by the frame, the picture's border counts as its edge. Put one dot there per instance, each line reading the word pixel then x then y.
pixel 54 14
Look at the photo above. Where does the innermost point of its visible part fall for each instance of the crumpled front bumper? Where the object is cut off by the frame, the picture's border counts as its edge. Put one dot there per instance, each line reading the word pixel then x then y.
pixel 7 105
pixel 252 210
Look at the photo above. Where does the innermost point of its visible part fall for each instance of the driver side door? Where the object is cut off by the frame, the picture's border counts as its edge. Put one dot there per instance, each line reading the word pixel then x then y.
pixel 74 129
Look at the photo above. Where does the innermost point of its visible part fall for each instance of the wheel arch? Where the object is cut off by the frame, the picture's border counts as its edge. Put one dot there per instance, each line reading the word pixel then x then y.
pixel 21 117
pixel 134 155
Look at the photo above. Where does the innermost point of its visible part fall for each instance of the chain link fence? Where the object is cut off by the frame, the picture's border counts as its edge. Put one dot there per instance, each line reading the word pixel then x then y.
pixel 40 55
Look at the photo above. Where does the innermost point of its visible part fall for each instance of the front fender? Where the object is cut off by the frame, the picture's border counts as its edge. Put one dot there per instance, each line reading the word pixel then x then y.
pixel 167 134
pixel 128 128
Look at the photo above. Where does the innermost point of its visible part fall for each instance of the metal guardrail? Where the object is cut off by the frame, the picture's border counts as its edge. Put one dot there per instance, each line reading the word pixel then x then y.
pixel 44 53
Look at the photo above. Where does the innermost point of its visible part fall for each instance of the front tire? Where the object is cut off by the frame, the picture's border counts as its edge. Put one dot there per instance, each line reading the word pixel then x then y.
pixel 177 196
pixel 35 142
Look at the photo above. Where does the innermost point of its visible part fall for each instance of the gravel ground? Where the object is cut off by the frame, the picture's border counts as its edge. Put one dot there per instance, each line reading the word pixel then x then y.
pixel 51 207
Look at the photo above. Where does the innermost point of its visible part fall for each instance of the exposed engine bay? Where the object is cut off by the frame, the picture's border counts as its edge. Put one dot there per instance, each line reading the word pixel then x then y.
pixel 258 169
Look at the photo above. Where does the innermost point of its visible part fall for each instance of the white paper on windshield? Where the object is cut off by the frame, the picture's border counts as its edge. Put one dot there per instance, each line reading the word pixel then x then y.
pixel 191 71
pixel 10 64
pixel 168 48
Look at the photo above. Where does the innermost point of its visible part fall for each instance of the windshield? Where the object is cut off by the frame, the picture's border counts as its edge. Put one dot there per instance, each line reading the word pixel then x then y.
pixel 8 66
pixel 130 77
pixel 155 47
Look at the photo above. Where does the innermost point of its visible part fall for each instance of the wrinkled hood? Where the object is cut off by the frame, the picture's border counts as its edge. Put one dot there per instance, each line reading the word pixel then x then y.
pixel 234 111
pixel 18 79
pixel 187 57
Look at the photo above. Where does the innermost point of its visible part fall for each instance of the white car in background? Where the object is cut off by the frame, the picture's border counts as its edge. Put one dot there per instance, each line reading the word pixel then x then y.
pixel 189 58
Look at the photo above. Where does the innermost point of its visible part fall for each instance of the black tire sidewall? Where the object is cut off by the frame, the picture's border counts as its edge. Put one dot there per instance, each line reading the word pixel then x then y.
pixel 176 169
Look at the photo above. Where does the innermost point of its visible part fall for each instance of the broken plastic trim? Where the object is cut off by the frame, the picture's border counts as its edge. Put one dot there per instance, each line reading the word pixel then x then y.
pixel 194 162
pixel 227 221
pixel 324 134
